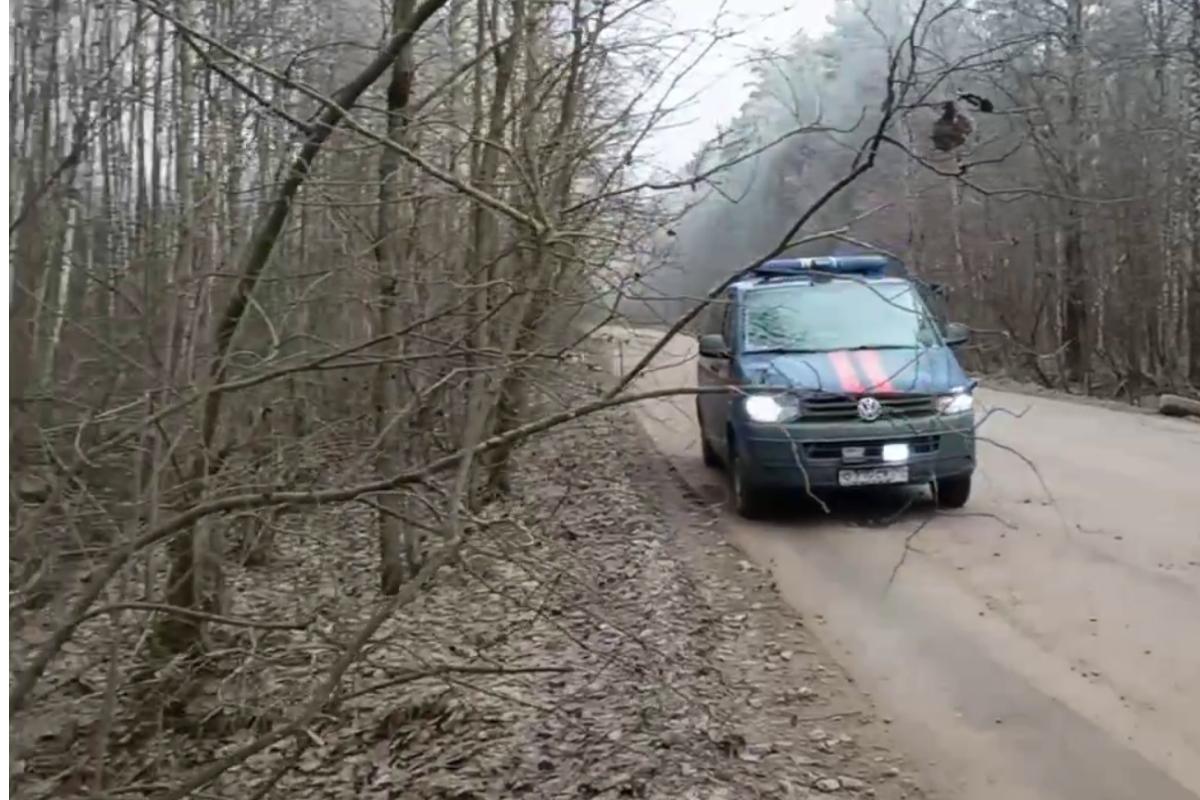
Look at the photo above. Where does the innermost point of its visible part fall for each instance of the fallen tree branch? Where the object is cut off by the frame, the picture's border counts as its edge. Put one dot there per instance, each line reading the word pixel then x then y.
pixel 162 608
pixel 448 670
pixel 907 548
pixel 1173 405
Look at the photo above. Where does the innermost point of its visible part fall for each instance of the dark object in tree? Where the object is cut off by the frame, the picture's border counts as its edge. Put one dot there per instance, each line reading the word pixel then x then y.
pixel 1172 405
pixel 981 103
pixel 952 128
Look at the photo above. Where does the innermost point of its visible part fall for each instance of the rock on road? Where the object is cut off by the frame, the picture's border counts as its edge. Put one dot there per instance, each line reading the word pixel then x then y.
pixel 1042 643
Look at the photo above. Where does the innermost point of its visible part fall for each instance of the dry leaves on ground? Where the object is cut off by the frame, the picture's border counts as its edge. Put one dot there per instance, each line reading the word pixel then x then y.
pixel 594 641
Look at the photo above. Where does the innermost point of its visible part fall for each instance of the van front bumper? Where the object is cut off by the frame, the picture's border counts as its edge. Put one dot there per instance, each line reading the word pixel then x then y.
pixel 811 455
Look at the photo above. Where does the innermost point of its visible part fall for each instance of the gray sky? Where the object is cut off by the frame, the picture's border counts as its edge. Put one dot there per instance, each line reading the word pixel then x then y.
pixel 721 77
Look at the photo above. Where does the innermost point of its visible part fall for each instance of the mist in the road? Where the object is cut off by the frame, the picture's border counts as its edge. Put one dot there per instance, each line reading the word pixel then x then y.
pixel 808 109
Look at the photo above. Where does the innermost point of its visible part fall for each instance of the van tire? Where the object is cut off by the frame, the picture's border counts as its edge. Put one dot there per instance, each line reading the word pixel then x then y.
pixel 711 458
pixel 952 492
pixel 748 500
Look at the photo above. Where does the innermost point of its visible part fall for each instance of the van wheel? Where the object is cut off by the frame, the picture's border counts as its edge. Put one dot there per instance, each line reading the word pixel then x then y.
pixel 952 492
pixel 749 501
pixel 711 458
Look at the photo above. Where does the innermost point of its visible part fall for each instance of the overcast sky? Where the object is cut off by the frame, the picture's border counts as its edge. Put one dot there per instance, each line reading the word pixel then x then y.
pixel 721 78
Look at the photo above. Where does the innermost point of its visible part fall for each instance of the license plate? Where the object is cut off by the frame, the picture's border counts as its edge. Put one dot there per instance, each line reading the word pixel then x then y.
pixel 873 477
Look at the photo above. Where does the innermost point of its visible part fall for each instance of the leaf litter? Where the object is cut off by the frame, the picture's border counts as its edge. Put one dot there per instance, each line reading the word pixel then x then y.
pixel 597 639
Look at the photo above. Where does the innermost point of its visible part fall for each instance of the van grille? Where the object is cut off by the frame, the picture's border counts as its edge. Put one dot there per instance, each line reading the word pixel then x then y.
pixel 834 407
pixel 872 449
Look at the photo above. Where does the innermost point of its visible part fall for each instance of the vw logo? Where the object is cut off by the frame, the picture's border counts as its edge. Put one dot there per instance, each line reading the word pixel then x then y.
pixel 869 409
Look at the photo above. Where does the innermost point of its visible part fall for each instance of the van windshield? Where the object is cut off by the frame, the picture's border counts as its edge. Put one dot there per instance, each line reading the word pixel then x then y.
pixel 838 315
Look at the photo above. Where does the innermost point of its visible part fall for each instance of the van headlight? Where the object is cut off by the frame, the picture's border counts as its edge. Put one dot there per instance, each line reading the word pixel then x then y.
pixel 956 403
pixel 771 408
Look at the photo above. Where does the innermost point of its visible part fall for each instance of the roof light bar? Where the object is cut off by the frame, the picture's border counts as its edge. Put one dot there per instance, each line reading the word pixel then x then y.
pixel 862 265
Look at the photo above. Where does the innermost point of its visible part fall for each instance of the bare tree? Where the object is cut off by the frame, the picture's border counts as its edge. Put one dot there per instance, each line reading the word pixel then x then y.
pixel 306 294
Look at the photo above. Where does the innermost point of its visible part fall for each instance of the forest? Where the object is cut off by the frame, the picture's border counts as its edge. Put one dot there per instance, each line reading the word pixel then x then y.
pixel 1064 229
pixel 294 281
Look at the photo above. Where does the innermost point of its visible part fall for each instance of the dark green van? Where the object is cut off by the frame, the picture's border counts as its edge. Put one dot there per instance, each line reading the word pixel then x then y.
pixel 840 378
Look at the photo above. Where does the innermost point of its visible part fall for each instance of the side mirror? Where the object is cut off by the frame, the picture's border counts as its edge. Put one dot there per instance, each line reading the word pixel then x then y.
pixel 938 290
pixel 712 345
pixel 956 334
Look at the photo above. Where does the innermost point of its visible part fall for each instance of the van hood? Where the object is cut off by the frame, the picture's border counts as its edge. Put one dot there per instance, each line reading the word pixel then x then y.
pixel 929 370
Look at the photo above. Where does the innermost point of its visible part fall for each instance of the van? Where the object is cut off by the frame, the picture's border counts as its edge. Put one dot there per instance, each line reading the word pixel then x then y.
pixel 839 376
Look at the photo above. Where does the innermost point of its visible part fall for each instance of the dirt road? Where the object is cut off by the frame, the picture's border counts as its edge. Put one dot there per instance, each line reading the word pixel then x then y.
pixel 1043 643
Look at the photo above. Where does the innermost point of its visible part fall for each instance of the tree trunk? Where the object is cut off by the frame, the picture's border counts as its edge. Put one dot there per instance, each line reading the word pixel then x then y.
pixel 28 254
pixel 1076 283
pixel 257 252
pixel 389 257
pixel 1193 177
pixel 544 270
pixel 178 633
pixel 487 389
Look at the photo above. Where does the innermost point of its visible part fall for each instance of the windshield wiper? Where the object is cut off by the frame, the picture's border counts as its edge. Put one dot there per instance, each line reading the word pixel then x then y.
pixel 781 351
pixel 787 351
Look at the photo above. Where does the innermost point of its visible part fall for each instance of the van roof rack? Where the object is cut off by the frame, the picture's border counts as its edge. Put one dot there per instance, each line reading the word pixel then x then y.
pixel 867 266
